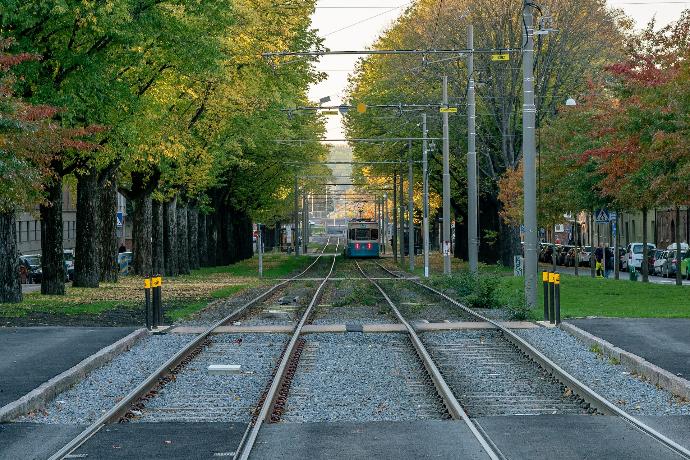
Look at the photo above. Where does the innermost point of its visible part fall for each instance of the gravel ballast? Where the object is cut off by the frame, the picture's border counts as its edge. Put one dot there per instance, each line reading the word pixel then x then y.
pixel 490 377
pixel 197 396
pixel 610 380
pixel 360 377
pixel 352 301
pixel 104 387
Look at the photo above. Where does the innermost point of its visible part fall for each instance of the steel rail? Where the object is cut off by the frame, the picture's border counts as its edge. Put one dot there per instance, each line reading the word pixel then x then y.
pixel 589 395
pixel 248 441
pixel 442 388
pixel 143 388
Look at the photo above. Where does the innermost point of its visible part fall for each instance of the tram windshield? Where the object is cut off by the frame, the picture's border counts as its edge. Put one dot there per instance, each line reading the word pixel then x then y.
pixel 364 234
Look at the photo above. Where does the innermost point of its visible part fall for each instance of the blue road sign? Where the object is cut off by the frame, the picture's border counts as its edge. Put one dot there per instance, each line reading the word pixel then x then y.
pixel 601 216
pixel 119 219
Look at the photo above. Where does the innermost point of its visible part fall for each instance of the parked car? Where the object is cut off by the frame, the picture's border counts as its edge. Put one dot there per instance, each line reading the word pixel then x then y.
pixel 69 263
pixel 571 256
pixel 562 255
pixel 585 254
pixel 124 261
pixel 671 262
pixel 32 263
pixel 634 255
pixel 659 261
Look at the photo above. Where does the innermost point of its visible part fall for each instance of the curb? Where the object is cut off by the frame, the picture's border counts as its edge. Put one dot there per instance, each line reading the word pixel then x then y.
pixel 652 373
pixel 40 396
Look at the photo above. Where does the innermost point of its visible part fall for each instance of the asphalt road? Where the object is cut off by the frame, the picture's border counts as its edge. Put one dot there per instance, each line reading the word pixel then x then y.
pixel 33 355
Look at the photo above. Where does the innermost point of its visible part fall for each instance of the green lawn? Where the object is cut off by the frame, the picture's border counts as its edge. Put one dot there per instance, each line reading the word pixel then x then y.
pixel 182 295
pixel 276 265
pixel 586 296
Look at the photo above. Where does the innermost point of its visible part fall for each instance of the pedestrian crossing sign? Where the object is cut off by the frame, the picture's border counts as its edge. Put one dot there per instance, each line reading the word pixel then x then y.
pixel 601 216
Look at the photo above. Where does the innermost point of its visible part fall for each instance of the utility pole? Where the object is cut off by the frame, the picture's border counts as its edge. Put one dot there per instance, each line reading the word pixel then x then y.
pixel 529 157
pixel 305 221
pixel 410 207
pixel 472 202
pixel 402 220
pixel 260 247
pixel 425 186
pixel 395 217
pixel 385 221
pixel 295 227
pixel 446 184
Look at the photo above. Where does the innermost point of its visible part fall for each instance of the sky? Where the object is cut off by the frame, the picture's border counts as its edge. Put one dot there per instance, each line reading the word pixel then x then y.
pixel 355 24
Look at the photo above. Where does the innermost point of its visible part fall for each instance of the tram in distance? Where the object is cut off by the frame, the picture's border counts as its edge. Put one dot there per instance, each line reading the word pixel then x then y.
pixel 362 239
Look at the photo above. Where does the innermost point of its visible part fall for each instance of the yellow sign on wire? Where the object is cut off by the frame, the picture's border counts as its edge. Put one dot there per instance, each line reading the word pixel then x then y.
pixel 500 57
pixel 361 107
pixel 448 109
pixel 330 112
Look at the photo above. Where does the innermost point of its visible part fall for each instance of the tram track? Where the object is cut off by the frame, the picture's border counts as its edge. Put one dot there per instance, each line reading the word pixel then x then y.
pixel 279 384
pixel 576 392
pixel 137 398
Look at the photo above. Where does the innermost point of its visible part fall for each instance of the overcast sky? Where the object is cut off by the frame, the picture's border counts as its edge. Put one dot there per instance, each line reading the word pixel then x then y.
pixel 355 24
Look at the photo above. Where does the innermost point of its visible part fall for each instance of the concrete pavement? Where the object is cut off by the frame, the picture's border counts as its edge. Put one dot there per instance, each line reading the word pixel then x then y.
pixel 33 355
pixel 661 341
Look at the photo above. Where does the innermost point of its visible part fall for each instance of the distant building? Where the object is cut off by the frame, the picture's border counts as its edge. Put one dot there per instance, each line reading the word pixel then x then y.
pixel 28 226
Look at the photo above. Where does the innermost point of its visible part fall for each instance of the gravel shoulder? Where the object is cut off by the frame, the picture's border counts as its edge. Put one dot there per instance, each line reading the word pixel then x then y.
pixel 608 378
pixel 104 387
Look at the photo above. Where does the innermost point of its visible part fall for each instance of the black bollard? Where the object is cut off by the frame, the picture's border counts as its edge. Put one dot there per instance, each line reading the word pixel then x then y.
pixel 156 283
pixel 545 280
pixel 552 298
pixel 557 282
pixel 147 306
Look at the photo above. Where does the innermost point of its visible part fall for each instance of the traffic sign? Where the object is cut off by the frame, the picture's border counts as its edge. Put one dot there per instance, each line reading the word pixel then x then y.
pixel 613 216
pixel 500 57
pixel 361 107
pixel 330 112
pixel 343 109
pixel 601 216
pixel 448 109
pixel 119 219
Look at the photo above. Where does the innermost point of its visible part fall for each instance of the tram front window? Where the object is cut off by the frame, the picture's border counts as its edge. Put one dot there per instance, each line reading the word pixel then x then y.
pixel 362 234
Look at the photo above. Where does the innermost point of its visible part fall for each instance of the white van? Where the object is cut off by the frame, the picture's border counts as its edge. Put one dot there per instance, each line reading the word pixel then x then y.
pixel 634 253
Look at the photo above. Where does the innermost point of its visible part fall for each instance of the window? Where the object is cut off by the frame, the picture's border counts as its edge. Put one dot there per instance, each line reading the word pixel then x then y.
pixel 362 234
pixel 374 233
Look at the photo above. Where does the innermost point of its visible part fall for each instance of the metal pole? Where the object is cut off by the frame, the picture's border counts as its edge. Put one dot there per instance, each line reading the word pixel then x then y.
pixel 529 158
pixel 395 217
pixel 305 222
pixel 446 184
pixel 385 221
pixel 472 202
pixel 425 180
pixel 260 248
pixel 410 207
pixel 295 229
pixel 401 231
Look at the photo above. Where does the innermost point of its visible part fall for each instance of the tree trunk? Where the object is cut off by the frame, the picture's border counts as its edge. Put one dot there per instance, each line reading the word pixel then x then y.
pixel 142 223
pixel 203 241
pixel 170 238
pixel 182 251
pixel 10 282
pixel 676 238
pixel 86 253
pixel 644 265
pixel 109 269
pixel 157 253
pixel 193 237
pixel 52 257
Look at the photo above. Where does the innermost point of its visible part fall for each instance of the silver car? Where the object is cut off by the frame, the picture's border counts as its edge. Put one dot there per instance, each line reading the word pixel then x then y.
pixel 659 261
